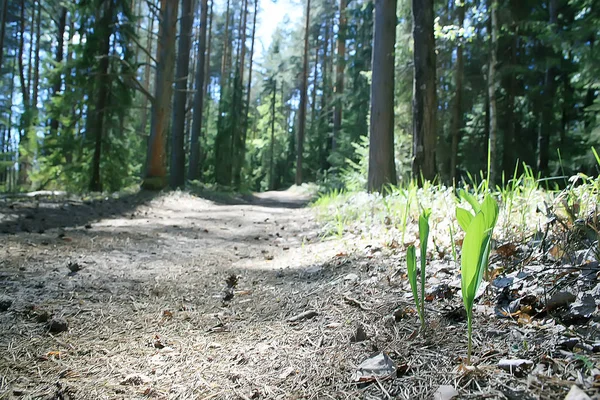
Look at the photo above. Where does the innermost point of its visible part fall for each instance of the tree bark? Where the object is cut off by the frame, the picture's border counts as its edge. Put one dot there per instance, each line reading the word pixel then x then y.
pixel 457 106
pixel 249 87
pixel 195 168
pixel 223 138
pixel 60 48
pixel 340 65
pixel 382 168
pixel 492 93
pixel 177 176
pixel 36 63
pixel 239 105
pixel 548 124
pixel 508 155
pixel 147 70
pixel 272 147
pixel 3 13
pixel 103 84
pixel 424 92
pixel 302 107
pixel 155 166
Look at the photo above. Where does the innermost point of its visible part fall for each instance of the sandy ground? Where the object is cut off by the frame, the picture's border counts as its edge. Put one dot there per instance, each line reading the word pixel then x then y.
pixel 127 298
pixel 148 299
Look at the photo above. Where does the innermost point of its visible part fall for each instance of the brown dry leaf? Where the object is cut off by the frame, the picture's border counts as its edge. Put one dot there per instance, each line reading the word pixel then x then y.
pixel 167 314
pixel 556 252
pixel 54 354
pixel 342 254
pixel 524 319
pixel 506 250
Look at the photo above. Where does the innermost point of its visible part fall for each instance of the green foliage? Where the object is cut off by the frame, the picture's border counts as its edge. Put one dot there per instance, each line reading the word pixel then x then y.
pixel 475 255
pixel 411 265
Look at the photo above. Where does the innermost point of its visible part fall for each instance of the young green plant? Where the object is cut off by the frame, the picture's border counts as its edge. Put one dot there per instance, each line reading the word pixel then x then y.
pixel 411 265
pixel 475 254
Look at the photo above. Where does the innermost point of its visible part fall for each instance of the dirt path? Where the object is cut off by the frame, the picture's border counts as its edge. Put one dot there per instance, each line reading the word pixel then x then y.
pixel 145 313
pixel 127 298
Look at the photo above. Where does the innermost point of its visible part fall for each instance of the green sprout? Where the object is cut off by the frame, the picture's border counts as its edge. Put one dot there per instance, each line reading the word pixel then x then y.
pixel 411 265
pixel 475 254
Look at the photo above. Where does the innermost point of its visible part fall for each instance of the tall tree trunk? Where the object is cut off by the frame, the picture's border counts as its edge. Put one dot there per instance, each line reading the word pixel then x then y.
pixel 457 106
pixel 313 102
pixel 492 92
pixel 195 168
pixel 272 146
pixel 26 96
pixel 177 176
pixel 223 138
pixel 103 86
pixel 36 62
pixel 382 168
pixel 60 48
pixel 549 93
pixel 249 87
pixel 324 111
pixel 239 104
pixel 155 166
pixel 147 70
pixel 508 154
pixel 424 92
pixel 3 13
pixel 302 107
pixel 340 65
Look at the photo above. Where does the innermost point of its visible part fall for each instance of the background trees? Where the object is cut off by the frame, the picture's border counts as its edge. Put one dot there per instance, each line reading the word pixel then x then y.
pixel 86 90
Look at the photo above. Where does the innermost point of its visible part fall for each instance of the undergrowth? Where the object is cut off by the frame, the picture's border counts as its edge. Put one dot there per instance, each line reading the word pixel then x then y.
pixel 529 206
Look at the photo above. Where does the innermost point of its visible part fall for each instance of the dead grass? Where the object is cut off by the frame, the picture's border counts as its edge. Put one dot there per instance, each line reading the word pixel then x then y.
pixel 147 318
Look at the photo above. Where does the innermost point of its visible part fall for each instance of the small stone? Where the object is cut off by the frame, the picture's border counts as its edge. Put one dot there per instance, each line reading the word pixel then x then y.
pixel 5 303
pixel 58 325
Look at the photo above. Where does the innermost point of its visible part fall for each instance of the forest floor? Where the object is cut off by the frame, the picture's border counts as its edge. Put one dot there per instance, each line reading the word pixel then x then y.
pixel 173 296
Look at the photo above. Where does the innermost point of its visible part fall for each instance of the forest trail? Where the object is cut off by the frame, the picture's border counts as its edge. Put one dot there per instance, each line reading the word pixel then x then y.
pixel 172 296
pixel 141 282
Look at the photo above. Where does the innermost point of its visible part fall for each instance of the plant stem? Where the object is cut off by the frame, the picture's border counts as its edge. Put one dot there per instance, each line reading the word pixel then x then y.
pixel 469 334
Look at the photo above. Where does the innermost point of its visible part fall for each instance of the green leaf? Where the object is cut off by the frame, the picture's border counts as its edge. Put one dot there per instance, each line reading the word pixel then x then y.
pixel 472 200
pixel 489 208
pixel 424 236
pixel 411 267
pixel 464 218
pixel 471 259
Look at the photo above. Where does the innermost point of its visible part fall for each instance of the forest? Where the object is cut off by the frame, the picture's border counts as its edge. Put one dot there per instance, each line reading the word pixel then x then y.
pixel 102 95
pixel 359 199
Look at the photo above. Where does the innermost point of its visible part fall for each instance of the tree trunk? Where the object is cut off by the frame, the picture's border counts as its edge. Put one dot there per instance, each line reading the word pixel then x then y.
pixel 492 93
pixel 302 107
pixel 340 65
pixel 324 111
pixel 239 104
pixel 36 63
pixel 272 148
pixel 223 138
pixel 549 93
pixel 177 176
pixel 249 87
pixel 103 85
pixel 25 117
pixel 155 166
pixel 147 70
pixel 3 13
pixel 56 86
pixel 382 168
pixel 424 92
pixel 195 168
pixel 313 102
pixel 457 106
pixel 508 155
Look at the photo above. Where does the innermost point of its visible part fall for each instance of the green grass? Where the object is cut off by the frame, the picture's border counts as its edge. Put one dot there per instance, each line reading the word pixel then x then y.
pixel 524 199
